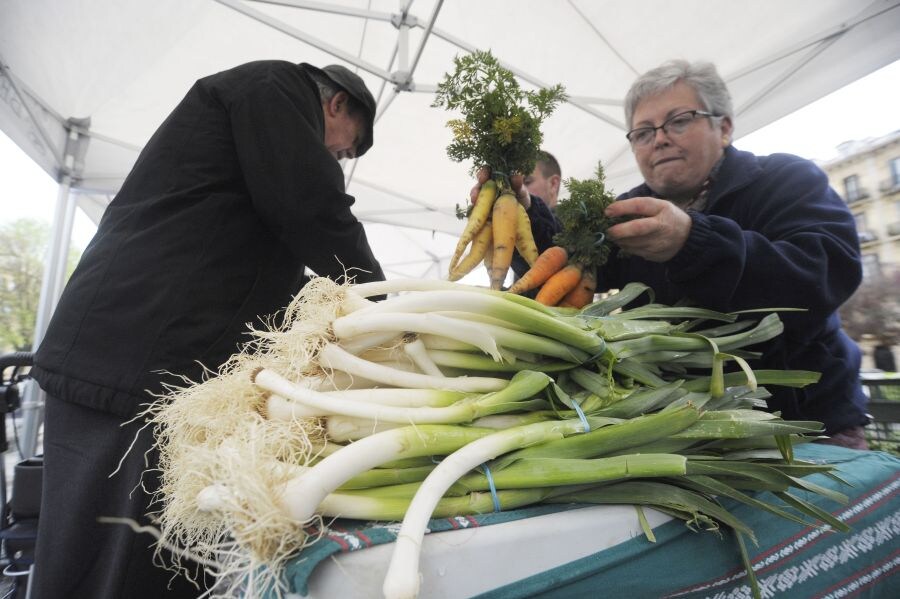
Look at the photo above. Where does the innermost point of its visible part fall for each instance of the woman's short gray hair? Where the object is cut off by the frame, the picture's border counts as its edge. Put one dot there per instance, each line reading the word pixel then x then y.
pixel 701 76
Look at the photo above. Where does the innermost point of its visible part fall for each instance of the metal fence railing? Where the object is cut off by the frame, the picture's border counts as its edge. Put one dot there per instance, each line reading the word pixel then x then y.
pixel 884 406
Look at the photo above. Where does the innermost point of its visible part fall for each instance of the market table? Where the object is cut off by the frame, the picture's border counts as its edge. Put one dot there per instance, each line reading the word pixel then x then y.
pixel 590 551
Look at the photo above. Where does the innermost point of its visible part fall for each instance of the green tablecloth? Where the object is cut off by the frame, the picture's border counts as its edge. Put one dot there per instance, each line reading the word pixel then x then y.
pixel 790 561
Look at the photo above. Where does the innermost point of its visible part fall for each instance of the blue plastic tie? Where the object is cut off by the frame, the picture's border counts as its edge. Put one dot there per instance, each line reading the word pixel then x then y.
pixel 490 479
pixel 584 420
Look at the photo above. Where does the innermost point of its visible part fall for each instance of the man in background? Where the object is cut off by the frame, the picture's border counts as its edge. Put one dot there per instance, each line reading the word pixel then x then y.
pixel 545 180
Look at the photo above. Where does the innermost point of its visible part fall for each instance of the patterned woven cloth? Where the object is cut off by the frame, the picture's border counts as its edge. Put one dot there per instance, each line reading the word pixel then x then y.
pixel 790 560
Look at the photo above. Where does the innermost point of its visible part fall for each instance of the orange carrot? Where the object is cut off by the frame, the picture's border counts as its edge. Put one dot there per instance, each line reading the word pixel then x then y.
pixel 476 253
pixel 583 294
pixel 524 238
pixel 504 230
pixel 547 264
pixel 559 285
pixel 477 219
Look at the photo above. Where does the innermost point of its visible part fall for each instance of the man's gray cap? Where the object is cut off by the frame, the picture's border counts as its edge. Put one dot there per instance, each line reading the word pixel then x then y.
pixel 353 84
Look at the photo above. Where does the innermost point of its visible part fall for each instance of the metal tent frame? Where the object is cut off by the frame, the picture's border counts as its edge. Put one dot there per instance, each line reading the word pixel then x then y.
pixel 81 105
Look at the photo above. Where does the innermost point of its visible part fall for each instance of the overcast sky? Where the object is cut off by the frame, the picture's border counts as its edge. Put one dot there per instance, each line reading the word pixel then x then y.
pixel 866 108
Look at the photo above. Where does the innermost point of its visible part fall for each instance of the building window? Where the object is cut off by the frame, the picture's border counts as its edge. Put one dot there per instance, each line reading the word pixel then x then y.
pixel 895 171
pixel 865 235
pixel 852 190
pixel 893 227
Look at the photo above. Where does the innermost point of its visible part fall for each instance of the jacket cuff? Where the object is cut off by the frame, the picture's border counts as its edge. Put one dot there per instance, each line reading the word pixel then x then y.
pixel 691 258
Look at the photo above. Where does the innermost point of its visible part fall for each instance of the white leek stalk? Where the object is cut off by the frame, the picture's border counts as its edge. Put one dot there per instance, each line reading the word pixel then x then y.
pixel 302 495
pixel 332 356
pixel 365 321
pixel 522 387
pixel 418 353
pixel 496 306
pixel 402 580
pixel 342 429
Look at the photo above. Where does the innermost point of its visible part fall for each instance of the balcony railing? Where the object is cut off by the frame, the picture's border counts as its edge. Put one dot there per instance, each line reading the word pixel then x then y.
pixel 889 186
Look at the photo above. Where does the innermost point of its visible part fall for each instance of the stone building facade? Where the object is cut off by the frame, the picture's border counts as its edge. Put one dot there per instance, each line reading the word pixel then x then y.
pixel 867 175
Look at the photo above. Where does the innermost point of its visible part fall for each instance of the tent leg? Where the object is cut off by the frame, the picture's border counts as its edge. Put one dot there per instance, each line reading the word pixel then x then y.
pixel 51 288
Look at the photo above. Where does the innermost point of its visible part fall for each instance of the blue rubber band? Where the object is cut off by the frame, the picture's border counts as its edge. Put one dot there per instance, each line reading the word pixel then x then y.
pixel 490 479
pixel 584 420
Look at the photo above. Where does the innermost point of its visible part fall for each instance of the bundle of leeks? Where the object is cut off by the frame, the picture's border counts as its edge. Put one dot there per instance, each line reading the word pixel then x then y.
pixel 447 399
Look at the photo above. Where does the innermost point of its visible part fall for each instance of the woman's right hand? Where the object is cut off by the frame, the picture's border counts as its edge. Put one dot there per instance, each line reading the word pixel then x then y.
pixel 515 180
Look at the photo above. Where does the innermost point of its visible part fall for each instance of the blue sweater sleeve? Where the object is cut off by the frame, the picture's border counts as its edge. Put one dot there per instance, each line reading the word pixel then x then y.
pixel 790 242
pixel 543 227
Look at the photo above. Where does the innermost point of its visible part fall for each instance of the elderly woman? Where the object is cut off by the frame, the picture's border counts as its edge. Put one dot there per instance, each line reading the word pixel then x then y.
pixel 729 230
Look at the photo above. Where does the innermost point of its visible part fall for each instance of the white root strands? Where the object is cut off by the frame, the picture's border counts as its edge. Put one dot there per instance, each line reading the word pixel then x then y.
pixel 213 432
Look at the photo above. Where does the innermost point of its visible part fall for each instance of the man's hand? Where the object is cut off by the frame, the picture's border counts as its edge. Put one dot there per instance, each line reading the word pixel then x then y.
pixel 658 231
pixel 516 181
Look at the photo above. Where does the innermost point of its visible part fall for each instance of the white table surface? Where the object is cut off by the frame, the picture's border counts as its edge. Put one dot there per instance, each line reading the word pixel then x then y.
pixel 469 561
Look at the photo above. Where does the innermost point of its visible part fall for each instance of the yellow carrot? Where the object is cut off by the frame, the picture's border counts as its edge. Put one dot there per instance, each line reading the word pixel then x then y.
pixel 489 251
pixel 524 239
pixel 547 264
pixel 583 293
pixel 476 254
pixel 559 285
pixel 504 230
pixel 477 218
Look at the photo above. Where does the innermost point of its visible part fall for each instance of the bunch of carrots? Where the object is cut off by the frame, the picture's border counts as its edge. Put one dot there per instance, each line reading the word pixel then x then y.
pixel 497 224
pixel 500 133
pixel 566 272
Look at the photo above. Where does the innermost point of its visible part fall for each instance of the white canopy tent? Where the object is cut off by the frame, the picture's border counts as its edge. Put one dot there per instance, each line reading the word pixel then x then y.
pixel 84 83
